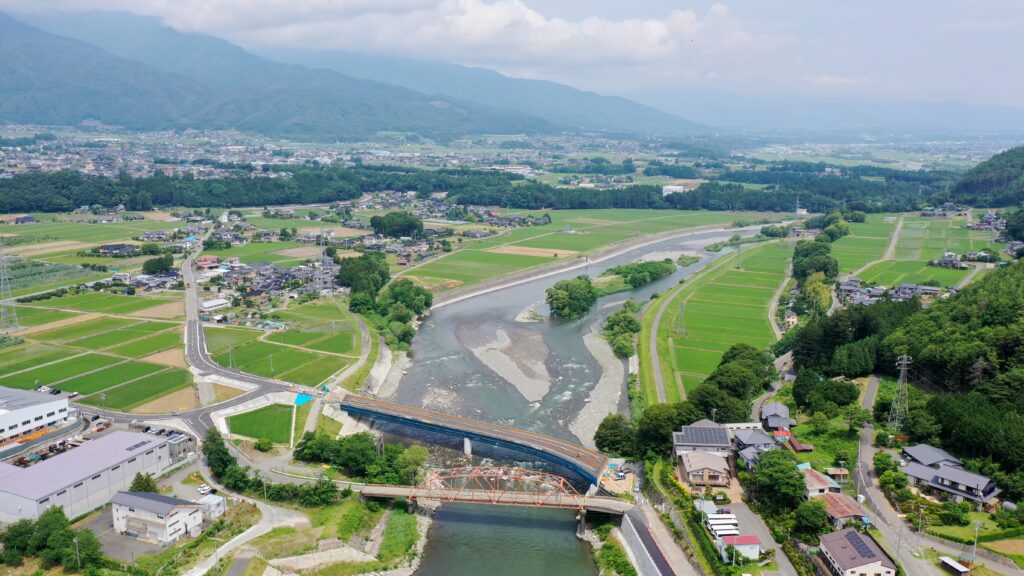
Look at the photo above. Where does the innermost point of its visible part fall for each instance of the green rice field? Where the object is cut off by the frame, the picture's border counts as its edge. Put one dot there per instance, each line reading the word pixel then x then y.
pixel 273 422
pixel 134 394
pixel 867 242
pixel 47 375
pixel 109 377
pixel 222 339
pixel 894 272
pixel 727 305
pixel 39 316
pixel 927 239
pixel 150 345
pixel 102 302
pixel 120 335
pixel 29 355
pixel 255 252
pixel 282 362
pixel 571 232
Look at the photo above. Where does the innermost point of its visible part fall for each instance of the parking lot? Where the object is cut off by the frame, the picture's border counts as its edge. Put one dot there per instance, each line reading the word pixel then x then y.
pixel 123 548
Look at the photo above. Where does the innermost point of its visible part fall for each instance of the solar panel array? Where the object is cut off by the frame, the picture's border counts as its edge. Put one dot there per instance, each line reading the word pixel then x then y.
pixel 704 436
pixel 859 545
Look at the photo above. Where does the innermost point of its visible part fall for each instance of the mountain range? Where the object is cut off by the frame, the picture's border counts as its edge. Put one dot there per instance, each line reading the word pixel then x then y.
pixel 124 69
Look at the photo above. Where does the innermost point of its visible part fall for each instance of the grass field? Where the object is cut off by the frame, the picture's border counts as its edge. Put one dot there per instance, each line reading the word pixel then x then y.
pixel 141 391
pixel 591 230
pixel 273 422
pixel 894 272
pixel 46 375
pixel 321 326
pixel 726 305
pixel 282 362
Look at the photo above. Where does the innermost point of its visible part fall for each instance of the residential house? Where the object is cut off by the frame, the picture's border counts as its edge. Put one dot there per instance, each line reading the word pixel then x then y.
pixel 756 438
pixel 155 517
pixel 702 436
pixel 841 509
pixel 746 545
pixel 775 416
pixel 929 456
pixel 816 483
pixel 957 483
pixel 118 250
pixel 154 236
pixel 213 505
pixel 705 469
pixel 850 553
pixel 25 219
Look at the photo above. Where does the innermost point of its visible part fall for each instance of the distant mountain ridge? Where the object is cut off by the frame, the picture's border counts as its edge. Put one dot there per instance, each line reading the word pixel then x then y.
pixel 997 182
pixel 213 60
pixel 208 83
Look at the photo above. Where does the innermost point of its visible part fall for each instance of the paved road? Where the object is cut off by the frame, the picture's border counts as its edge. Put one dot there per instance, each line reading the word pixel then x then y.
pixel 751 523
pixel 889 521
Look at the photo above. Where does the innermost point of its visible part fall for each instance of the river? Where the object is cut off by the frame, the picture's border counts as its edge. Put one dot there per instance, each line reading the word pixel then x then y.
pixel 474 359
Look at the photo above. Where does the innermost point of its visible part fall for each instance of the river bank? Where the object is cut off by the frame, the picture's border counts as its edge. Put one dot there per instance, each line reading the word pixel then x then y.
pixel 606 395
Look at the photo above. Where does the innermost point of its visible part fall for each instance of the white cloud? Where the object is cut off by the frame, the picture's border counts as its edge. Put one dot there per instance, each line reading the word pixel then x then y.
pixel 510 35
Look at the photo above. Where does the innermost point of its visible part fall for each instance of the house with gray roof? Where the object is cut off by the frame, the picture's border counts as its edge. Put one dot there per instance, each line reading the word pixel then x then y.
pixel 929 456
pixel 850 553
pixel 702 436
pixel 957 483
pixel 155 517
pixel 775 415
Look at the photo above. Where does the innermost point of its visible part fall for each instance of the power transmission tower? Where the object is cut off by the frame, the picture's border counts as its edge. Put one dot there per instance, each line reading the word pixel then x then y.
pixel 898 409
pixel 8 315
pixel 321 278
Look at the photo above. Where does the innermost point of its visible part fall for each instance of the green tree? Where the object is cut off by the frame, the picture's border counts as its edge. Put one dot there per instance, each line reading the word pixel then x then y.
pixel 158 265
pixel 777 482
pixel 150 249
pixel 811 519
pixel 397 224
pixel 572 299
pixel 655 427
pixel 883 463
pixel 615 435
pixel 87 554
pixel 143 483
pixel 368 273
pixel 819 423
pixel 264 445
pixel 856 417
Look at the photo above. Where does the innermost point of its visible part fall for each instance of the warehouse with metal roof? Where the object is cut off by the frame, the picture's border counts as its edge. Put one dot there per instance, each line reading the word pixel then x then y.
pixel 81 479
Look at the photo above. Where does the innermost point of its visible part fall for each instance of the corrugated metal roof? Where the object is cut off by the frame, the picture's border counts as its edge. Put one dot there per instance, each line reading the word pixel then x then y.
pixel 150 501
pixel 14 399
pixel 77 464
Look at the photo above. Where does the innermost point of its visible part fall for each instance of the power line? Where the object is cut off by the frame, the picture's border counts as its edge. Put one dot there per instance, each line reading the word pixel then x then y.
pixel 8 315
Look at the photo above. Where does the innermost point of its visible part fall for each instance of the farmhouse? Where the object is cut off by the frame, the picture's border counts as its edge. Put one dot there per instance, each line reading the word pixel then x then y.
pixel 118 250
pixel 775 416
pixel 23 412
pixel 702 436
pixel 958 484
pixel 929 456
pixel 816 483
pixel 154 517
pixel 705 469
pixel 82 478
pixel 842 509
pixel 849 553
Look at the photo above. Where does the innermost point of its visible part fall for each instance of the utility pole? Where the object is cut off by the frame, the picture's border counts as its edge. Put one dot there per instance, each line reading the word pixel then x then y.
pixel 271 356
pixel 974 551
pixel 920 524
pixel 79 556
pixel 713 411
pixel 899 407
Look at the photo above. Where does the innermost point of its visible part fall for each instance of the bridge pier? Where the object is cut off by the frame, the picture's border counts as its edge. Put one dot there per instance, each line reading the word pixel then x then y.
pixel 467 446
pixel 581 524
pixel 410 505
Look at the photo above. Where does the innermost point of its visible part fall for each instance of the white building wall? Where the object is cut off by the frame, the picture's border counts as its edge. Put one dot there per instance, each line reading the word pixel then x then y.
pixel 88 493
pixel 15 423
pixel 182 521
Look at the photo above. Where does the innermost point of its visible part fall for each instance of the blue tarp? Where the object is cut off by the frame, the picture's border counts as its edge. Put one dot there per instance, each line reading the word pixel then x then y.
pixel 301 399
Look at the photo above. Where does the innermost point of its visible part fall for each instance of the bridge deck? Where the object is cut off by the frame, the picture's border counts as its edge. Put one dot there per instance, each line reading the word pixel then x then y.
pixel 595 503
pixel 581 460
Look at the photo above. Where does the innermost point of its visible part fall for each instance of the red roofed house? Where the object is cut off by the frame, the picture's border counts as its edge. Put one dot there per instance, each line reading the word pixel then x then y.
pixel 841 508
pixel 746 545
pixel 817 483
pixel 208 260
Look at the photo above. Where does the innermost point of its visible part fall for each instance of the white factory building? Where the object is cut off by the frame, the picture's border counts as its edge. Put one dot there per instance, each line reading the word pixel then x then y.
pixel 155 517
pixel 82 478
pixel 23 412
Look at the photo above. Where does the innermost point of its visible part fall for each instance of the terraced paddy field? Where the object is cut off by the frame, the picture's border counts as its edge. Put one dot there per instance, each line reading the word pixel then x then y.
pixel 273 422
pixel 894 272
pixel 571 234
pixel 926 239
pixel 726 305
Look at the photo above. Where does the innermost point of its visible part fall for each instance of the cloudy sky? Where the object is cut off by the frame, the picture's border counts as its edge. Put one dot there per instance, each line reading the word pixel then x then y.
pixel 931 50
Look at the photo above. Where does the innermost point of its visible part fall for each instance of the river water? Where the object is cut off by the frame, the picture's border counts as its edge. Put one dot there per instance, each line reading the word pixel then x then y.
pixel 446 375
